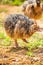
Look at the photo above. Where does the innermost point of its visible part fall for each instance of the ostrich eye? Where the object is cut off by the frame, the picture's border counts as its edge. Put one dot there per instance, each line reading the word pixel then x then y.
pixel 12 27
pixel 32 22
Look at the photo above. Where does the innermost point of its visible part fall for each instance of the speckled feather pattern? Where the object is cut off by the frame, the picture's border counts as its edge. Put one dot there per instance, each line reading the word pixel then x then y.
pixel 19 26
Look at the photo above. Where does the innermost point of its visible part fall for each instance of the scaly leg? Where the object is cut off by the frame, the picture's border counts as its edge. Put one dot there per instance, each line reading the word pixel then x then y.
pixel 25 40
pixel 16 44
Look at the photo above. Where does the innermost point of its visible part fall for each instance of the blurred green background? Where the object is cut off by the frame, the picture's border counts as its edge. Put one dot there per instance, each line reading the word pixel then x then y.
pixel 12 2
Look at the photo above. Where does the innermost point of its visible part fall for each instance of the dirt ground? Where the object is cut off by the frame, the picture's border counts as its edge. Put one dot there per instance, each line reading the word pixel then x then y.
pixel 13 56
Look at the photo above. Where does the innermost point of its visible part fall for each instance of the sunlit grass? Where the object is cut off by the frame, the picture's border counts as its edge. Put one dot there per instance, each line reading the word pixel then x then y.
pixel 29 53
pixel 4 40
pixel 35 41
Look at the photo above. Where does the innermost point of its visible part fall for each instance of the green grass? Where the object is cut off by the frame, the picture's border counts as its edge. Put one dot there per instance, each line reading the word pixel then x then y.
pixel 4 40
pixel 29 53
pixel 35 41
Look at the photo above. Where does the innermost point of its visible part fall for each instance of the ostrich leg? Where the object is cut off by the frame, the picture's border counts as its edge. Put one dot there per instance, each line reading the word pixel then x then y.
pixel 25 40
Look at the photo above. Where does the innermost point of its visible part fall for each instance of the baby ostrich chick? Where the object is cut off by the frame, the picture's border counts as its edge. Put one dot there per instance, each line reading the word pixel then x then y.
pixel 18 26
pixel 28 2
pixel 34 10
